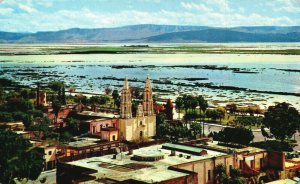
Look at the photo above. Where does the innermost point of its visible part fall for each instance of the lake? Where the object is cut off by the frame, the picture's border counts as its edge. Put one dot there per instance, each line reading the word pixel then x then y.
pixel 252 76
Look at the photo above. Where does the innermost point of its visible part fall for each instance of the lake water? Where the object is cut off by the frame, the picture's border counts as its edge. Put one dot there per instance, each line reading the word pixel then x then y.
pixel 89 73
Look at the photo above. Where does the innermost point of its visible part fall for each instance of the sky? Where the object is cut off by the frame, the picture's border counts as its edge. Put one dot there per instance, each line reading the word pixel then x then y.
pixel 51 15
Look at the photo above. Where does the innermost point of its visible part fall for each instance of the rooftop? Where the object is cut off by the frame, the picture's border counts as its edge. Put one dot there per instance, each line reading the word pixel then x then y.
pixel 125 168
pixel 223 148
pixel 184 148
pixel 98 114
pixel 82 142
pixel 283 181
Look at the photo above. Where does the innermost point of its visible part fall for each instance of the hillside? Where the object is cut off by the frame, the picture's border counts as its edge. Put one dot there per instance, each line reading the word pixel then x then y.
pixel 158 33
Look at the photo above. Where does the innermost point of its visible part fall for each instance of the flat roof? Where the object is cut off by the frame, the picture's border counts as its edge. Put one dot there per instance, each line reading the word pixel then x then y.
pixel 183 148
pixel 249 149
pixel 283 181
pixel 124 168
pixel 12 123
pixel 82 142
pixel 99 114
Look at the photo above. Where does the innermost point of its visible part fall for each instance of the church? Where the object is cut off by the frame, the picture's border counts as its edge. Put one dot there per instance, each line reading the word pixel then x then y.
pixel 143 126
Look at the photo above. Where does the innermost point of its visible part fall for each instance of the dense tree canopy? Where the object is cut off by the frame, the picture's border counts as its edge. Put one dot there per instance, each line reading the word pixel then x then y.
pixel 196 128
pixel 282 120
pixel 240 136
pixel 18 159
pixel 248 120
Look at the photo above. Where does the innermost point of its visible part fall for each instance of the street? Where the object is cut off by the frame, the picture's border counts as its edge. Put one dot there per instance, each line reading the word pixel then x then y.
pixel 256 132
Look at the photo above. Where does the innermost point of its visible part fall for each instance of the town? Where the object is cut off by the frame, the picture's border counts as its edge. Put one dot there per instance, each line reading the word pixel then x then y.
pixel 129 135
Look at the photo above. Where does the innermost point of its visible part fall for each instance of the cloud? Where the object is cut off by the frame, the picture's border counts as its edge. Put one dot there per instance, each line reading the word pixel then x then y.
pixel 222 5
pixel 45 3
pixel 5 11
pixel 290 6
pixel 194 6
pixel 27 8
pixel 184 13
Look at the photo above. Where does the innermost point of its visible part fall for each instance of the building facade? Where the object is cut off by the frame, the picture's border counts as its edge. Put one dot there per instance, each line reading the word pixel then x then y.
pixel 143 126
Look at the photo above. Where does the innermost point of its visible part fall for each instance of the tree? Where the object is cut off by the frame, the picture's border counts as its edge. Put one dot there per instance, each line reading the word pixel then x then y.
pixel 196 128
pixel 42 128
pixel 6 117
pixel 115 95
pixel 65 137
pixel 57 87
pixel 232 108
pixel 24 105
pixel 221 112
pixel 163 128
pixel 179 104
pixel 73 126
pixel 187 100
pixel 63 95
pixel 235 177
pixel 118 102
pixel 56 105
pixel 169 109
pixel 248 121
pixel 282 120
pixel 215 114
pixel 2 95
pixel 25 93
pixel 239 136
pixel 103 100
pixel 212 113
pixel 24 117
pixel 194 104
pixel 221 176
pixel 108 91
pixel 220 173
pixel 18 158
pixel 203 106
pixel 94 100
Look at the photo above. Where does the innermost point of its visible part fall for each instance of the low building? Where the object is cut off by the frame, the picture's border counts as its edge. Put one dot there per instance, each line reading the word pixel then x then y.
pixel 249 159
pixel 50 153
pixel 89 146
pixel 62 114
pixel 167 163
pixel 291 168
pixel 284 181
pixel 13 126
pixel 26 134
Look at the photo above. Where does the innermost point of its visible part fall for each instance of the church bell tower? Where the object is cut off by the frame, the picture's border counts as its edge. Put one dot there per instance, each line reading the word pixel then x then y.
pixel 148 100
pixel 126 106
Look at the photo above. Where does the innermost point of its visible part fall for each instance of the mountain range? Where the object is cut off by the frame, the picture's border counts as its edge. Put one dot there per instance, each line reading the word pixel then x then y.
pixel 159 33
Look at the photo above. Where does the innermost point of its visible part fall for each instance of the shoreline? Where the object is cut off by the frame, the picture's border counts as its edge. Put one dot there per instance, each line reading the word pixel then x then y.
pixel 174 59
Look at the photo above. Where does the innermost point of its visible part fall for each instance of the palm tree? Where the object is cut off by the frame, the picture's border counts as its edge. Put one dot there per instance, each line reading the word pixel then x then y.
pixel 203 106
pixel 187 99
pixel 115 95
pixel 194 104
pixel 179 104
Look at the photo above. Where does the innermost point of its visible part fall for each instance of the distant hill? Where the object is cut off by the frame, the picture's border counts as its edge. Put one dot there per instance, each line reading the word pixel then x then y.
pixel 224 36
pixel 158 33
